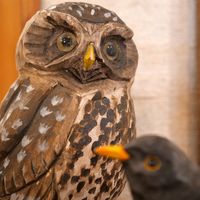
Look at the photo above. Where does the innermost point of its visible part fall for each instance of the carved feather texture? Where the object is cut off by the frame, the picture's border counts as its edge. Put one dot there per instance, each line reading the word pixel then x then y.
pixel 56 113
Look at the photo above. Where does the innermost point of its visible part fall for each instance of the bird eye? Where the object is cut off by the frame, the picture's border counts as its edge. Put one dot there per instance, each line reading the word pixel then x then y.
pixel 152 163
pixel 66 42
pixel 111 50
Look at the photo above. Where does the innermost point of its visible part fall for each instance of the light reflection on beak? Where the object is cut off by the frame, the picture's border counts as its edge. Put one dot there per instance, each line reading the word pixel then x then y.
pixel 89 57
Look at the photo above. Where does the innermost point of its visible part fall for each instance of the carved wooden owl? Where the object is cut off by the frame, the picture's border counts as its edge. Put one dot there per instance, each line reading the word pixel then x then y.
pixel 76 65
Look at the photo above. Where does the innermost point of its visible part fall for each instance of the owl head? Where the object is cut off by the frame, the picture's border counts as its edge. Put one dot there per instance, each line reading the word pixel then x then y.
pixel 78 40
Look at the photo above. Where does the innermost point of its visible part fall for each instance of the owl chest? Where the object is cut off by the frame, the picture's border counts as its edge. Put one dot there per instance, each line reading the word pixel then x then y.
pixel 102 119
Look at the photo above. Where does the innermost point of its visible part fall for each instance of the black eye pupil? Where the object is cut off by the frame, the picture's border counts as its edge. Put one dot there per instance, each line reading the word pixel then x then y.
pixel 111 50
pixel 152 163
pixel 66 41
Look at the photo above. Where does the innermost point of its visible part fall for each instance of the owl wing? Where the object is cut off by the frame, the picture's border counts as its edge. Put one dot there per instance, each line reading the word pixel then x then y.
pixel 35 129
pixel 16 112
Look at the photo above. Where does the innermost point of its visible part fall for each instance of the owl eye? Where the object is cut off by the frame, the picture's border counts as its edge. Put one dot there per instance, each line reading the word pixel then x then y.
pixel 66 42
pixel 152 163
pixel 111 50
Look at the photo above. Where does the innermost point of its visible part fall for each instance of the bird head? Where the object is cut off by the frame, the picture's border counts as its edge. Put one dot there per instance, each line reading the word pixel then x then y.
pixel 150 163
pixel 81 41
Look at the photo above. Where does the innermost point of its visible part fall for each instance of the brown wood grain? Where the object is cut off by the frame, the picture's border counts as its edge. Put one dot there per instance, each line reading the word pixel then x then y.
pixel 198 73
pixel 14 14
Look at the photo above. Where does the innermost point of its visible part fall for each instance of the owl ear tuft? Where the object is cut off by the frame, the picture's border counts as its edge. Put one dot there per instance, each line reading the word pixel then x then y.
pixel 117 29
pixel 51 20
pixel 34 33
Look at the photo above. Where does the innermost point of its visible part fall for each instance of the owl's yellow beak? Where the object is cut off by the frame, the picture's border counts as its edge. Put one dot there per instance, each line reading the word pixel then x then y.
pixel 113 151
pixel 89 57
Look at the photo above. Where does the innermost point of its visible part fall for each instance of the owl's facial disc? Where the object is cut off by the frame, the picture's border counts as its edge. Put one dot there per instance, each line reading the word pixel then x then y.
pixel 91 66
pixel 94 56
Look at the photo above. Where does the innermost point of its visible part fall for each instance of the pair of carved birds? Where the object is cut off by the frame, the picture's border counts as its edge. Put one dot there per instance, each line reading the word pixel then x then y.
pixel 156 169
pixel 76 64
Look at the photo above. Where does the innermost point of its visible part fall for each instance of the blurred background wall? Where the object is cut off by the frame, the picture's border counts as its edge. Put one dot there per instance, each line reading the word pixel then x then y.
pixel 166 87
pixel 13 15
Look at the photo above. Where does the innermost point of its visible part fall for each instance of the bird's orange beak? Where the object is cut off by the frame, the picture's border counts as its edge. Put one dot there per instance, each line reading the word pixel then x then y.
pixel 89 57
pixel 113 151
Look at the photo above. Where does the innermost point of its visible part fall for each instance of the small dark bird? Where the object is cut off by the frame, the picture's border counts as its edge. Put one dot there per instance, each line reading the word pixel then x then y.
pixel 156 169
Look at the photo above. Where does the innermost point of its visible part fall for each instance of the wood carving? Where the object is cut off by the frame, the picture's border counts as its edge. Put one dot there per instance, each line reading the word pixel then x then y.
pixel 76 65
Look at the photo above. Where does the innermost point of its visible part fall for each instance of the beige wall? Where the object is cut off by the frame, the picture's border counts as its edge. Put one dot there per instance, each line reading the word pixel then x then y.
pixel 164 89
